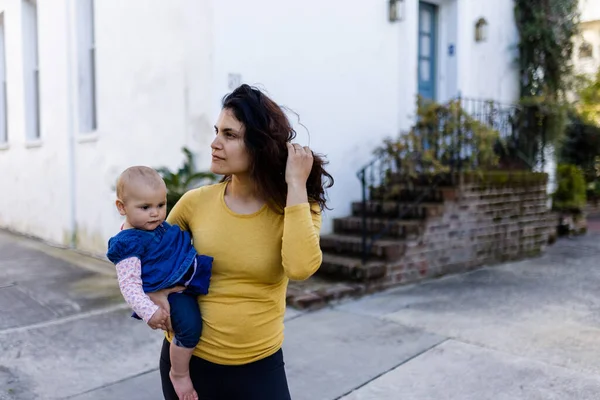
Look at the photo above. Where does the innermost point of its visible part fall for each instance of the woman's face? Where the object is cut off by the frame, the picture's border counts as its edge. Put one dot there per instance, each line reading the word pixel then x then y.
pixel 229 153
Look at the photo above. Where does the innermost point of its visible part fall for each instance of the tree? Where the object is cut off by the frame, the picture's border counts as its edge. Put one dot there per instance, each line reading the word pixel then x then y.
pixel 546 29
pixel 589 101
pixel 581 146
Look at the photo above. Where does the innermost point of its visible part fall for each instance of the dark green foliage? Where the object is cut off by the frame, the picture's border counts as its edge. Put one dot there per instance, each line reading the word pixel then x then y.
pixel 580 146
pixel 184 179
pixel 444 136
pixel 546 29
pixel 570 194
pixel 588 105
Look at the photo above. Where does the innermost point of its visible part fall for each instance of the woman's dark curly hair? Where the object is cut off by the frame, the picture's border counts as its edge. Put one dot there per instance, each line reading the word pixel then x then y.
pixel 267 132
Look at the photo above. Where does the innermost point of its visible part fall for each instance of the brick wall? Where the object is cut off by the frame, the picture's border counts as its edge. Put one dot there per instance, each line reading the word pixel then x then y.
pixel 483 220
pixel 592 209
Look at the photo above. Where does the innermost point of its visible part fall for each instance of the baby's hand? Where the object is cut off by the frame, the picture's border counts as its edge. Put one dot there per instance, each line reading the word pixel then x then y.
pixel 159 320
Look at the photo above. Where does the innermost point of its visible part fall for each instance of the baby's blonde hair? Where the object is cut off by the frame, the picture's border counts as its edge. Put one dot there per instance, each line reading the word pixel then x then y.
pixel 138 174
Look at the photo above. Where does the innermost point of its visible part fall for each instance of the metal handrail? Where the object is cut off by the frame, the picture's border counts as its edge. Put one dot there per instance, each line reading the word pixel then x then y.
pixel 493 114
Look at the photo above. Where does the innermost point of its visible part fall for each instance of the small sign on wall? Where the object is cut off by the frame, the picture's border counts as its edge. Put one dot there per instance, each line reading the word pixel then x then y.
pixel 234 81
pixel 451 50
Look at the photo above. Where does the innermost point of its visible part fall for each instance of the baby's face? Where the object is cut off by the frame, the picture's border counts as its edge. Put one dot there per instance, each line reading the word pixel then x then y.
pixel 146 207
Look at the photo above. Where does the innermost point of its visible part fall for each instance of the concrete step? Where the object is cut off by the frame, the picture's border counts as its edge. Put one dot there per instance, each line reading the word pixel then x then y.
pixel 397 229
pixel 319 290
pixel 349 245
pixel 351 268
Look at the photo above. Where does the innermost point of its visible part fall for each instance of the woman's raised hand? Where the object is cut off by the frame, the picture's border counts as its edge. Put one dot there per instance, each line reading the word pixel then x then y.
pixel 299 164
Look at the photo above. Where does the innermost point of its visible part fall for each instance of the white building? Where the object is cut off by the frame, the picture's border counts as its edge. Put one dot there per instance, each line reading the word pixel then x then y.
pixel 94 87
pixel 586 57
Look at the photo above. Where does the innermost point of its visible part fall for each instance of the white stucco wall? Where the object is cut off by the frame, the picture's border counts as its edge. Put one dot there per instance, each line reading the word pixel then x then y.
pixel 448 73
pixel 34 175
pixel 153 94
pixel 488 69
pixel 152 99
pixel 590 10
pixel 589 32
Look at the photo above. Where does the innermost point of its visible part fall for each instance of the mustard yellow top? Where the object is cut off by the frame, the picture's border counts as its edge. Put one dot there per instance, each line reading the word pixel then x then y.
pixel 254 257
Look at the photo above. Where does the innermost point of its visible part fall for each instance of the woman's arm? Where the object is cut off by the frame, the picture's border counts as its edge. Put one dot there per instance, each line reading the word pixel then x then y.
pixel 296 194
pixel 301 251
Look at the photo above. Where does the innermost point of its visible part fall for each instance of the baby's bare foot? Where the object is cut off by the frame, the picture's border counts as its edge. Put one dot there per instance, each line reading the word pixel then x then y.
pixel 183 386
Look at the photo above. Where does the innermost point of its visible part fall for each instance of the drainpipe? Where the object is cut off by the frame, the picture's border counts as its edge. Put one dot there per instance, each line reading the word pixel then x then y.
pixel 71 121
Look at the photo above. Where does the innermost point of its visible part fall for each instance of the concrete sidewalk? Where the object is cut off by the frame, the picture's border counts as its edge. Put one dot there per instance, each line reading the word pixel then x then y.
pixel 527 330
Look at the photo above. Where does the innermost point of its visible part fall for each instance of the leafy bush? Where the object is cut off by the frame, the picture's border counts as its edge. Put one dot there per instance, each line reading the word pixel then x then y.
pixel 589 100
pixel 444 137
pixel 570 194
pixel 184 179
pixel 581 146
pixel 537 123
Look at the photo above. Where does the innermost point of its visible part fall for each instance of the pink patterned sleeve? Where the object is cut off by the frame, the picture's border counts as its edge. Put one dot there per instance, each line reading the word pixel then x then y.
pixel 129 274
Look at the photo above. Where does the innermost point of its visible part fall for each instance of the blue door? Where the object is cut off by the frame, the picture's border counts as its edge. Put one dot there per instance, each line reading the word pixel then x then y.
pixel 427 48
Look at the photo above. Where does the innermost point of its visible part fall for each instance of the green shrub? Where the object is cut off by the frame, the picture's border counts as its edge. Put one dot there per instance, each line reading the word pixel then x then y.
pixel 444 136
pixel 581 146
pixel 570 194
pixel 184 179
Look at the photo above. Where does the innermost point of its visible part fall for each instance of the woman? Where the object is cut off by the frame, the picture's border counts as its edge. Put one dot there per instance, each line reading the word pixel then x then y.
pixel 261 224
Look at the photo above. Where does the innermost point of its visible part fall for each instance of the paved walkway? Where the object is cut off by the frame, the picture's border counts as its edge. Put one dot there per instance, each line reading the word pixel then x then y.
pixel 526 330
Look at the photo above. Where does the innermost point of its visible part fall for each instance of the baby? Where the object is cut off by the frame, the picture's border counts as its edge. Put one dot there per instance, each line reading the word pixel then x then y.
pixel 151 255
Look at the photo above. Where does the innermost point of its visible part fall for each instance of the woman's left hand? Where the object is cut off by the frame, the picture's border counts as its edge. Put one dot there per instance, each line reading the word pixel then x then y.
pixel 299 164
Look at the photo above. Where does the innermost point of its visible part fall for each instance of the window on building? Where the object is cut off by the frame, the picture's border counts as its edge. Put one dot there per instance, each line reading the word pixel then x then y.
pixel 3 97
pixel 31 69
pixel 586 50
pixel 86 58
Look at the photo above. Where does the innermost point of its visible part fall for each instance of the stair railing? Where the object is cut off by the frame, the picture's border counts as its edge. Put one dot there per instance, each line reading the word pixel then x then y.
pixel 454 150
